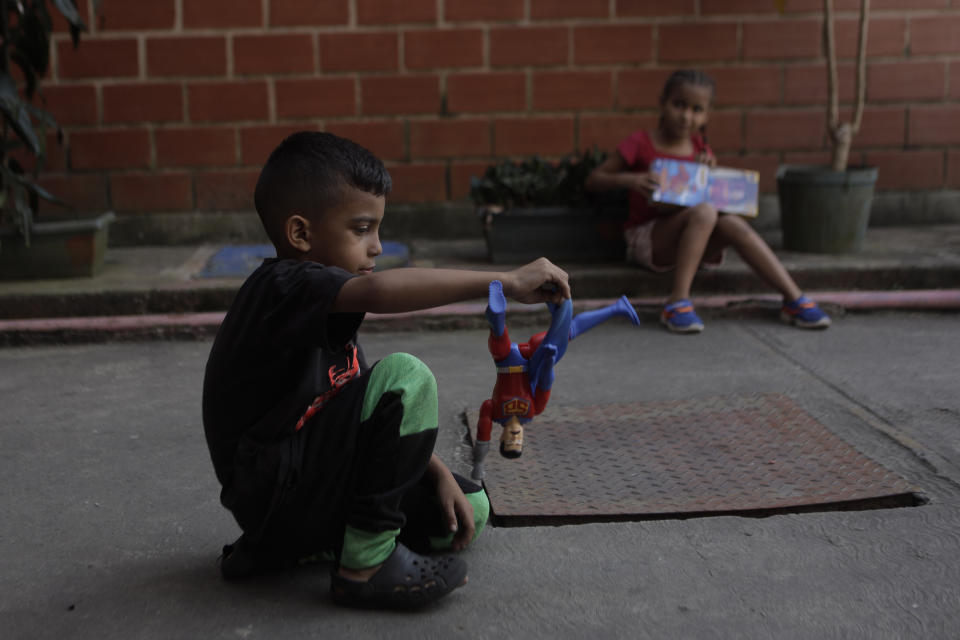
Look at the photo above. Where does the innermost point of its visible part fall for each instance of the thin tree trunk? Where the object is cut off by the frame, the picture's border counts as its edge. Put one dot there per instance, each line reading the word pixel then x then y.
pixel 830 50
pixel 841 134
pixel 861 65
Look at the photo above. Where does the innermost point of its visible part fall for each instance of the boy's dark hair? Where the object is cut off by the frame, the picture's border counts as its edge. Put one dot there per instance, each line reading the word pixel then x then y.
pixel 307 173
pixel 687 76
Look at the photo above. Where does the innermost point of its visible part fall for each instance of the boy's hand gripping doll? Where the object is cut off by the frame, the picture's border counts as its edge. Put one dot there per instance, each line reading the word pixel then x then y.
pixel 525 370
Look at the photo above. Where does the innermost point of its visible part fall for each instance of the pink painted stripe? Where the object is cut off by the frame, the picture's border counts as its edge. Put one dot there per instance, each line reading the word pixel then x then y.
pixel 907 299
pixel 918 299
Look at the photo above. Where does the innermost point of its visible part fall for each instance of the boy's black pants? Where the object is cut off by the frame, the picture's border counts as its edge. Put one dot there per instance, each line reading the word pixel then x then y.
pixel 357 465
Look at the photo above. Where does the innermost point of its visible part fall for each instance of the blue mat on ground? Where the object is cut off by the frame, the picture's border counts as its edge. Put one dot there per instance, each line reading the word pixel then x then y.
pixel 239 261
pixel 236 261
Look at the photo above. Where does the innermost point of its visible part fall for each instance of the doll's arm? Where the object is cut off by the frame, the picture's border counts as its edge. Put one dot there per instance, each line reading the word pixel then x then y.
pixel 529 347
pixel 482 445
pixel 485 421
pixel 540 399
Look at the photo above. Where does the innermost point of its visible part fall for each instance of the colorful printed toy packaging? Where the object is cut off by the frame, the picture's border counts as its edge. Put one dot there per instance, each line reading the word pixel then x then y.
pixel 689 183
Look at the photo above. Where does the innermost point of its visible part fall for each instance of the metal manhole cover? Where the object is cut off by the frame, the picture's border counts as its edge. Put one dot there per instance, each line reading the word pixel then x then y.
pixel 731 454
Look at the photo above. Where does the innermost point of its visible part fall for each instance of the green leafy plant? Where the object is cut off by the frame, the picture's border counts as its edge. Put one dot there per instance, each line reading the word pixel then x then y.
pixel 536 182
pixel 25 34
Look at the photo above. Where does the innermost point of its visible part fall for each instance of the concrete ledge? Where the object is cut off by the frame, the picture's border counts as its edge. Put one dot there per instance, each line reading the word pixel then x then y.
pixel 238 227
pixel 459 220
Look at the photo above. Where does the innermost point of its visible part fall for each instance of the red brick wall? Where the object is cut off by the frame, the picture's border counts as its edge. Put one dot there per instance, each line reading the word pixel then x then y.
pixel 172 105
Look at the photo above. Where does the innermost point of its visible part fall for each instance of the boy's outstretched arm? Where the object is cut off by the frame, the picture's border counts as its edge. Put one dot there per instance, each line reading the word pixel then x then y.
pixel 411 289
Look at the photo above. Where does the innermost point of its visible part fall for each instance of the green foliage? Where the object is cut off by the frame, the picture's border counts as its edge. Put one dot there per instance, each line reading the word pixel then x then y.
pixel 25 29
pixel 536 182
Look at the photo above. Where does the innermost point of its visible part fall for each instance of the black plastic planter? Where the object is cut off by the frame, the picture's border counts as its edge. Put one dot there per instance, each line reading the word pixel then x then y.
pixel 68 249
pixel 825 211
pixel 561 234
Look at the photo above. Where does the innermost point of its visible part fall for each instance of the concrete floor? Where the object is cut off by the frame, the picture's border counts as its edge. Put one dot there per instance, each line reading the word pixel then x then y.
pixel 112 524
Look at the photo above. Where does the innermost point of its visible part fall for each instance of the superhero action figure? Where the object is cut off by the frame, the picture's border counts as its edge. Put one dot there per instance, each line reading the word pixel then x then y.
pixel 525 370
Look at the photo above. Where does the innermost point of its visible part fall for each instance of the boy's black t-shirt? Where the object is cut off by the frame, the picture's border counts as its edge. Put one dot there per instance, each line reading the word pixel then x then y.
pixel 277 349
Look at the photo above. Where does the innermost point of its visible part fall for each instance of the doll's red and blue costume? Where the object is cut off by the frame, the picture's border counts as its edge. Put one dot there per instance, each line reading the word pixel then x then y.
pixel 525 370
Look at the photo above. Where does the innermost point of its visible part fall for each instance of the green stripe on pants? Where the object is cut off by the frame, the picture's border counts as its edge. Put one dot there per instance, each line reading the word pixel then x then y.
pixel 407 376
pixel 411 380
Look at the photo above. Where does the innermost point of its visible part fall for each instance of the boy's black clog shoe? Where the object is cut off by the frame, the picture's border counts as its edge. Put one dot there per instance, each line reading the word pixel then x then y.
pixel 406 580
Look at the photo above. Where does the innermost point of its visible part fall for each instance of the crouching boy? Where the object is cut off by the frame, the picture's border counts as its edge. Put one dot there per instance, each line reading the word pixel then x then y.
pixel 317 452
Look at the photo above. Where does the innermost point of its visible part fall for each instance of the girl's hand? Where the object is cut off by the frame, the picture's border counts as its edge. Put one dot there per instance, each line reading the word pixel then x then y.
pixel 707 158
pixel 613 173
pixel 457 510
pixel 645 183
pixel 539 281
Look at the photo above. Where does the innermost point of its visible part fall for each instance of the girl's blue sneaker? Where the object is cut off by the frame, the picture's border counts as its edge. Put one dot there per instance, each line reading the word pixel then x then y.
pixel 804 313
pixel 680 317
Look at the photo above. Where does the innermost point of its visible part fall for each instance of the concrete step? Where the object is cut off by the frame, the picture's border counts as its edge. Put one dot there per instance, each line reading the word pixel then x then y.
pixel 162 280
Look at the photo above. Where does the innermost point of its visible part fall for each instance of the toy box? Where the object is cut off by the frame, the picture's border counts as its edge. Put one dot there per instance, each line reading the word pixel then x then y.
pixel 689 183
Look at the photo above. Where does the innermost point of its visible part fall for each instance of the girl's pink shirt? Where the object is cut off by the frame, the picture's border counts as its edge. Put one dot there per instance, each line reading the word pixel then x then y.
pixel 639 153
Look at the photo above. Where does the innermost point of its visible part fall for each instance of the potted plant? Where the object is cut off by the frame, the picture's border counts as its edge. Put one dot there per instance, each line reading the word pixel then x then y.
pixel 28 248
pixel 827 209
pixel 536 208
